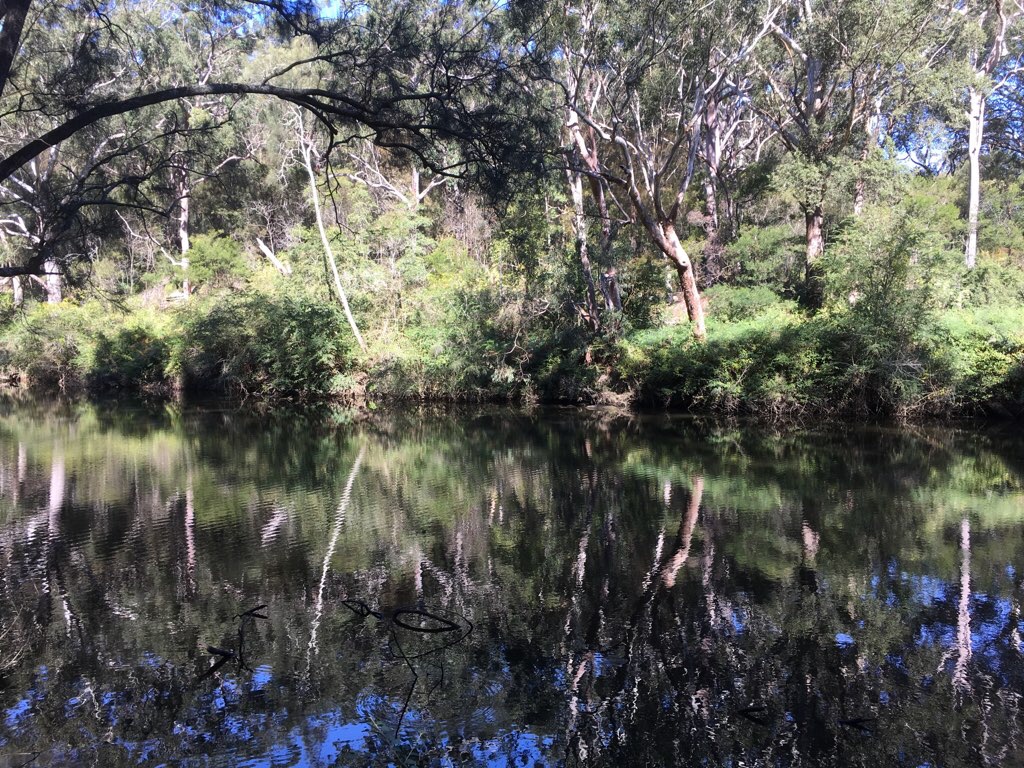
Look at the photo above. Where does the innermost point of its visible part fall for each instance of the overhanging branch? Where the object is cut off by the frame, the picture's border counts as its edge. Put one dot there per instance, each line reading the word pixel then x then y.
pixel 322 102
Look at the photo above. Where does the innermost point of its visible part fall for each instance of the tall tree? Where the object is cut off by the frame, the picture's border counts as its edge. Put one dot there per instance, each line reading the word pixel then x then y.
pixel 654 68
pixel 995 54
pixel 833 69
pixel 307 151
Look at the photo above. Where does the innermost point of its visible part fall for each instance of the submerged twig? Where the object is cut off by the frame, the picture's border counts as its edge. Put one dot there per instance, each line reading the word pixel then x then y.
pixel 400 620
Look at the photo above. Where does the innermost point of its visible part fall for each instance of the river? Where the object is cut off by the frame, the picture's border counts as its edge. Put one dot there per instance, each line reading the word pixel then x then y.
pixel 199 586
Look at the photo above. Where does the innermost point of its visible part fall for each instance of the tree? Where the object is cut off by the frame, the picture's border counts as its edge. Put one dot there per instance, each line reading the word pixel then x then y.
pixel 995 34
pixel 404 75
pixel 832 71
pixel 652 72
pixel 582 86
pixel 307 151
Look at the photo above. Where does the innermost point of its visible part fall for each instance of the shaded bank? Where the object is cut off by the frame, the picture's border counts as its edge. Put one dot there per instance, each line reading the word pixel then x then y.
pixel 763 357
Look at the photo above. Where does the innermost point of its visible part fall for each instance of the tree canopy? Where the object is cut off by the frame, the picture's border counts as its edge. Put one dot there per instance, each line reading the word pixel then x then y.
pixel 558 179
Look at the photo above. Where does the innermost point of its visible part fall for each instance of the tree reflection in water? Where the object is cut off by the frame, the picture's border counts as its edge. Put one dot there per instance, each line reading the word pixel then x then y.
pixel 650 591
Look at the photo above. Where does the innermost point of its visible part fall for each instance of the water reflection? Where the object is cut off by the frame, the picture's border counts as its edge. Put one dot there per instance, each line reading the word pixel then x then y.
pixel 504 588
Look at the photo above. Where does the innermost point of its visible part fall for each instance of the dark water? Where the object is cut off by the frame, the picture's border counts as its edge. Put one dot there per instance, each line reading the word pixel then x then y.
pixel 598 591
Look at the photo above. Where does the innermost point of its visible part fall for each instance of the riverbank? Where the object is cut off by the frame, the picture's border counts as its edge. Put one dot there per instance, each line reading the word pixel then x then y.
pixel 764 357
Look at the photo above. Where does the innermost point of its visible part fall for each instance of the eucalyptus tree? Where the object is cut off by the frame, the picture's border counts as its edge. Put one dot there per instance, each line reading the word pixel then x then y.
pixel 651 72
pixel 995 54
pixel 310 156
pixel 833 71
pixel 581 86
pixel 202 135
pixel 202 47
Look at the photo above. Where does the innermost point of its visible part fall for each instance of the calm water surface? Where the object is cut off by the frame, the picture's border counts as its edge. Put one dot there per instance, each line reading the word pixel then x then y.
pixel 202 587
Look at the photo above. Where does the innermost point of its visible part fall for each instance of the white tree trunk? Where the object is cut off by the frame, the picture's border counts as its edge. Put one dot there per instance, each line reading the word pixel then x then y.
pixel 184 212
pixel 308 162
pixel 814 245
pixel 280 266
pixel 579 223
pixel 860 186
pixel 687 279
pixel 52 283
pixel 190 536
pixel 975 133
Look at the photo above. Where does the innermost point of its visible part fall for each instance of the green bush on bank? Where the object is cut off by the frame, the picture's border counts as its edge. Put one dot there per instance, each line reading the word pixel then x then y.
pixel 781 363
pixel 269 347
pixel 262 345
pixel 763 355
pixel 132 354
pixel 52 345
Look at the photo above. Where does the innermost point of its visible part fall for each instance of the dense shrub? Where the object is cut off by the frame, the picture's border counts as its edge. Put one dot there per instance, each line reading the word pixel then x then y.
pixel 764 256
pixel 53 344
pixel 266 346
pixel 770 364
pixel 135 355
pixel 215 260
pixel 976 360
pixel 729 303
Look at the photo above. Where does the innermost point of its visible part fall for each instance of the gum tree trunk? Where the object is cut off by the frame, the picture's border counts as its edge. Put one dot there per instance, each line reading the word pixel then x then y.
pixel 975 132
pixel 184 212
pixel 814 218
pixel 687 280
pixel 328 251
pixel 579 223
pixel 52 283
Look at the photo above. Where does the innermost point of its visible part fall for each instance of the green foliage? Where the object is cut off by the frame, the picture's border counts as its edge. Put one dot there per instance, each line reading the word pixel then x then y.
pixel 994 284
pixel 1001 225
pixel 53 344
pixel 769 364
pixel 809 179
pixel 215 259
pixel 8 309
pixel 729 303
pixel 888 265
pixel 136 355
pixel 892 353
pixel 461 336
pixel 270 347
pixel 767 255
pixel 977 359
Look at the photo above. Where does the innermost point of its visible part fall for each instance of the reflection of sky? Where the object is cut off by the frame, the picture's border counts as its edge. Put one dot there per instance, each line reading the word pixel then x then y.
pixel 905 622
pixel 322 738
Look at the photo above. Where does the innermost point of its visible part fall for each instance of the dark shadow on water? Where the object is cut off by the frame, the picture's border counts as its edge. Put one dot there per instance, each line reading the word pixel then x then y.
pixel 505 587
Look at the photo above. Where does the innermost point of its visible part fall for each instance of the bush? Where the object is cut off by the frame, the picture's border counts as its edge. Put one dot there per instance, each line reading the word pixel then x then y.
pixel 8 310
pixel 136 355
pixel 293 348
pixel 977 360
pixel 770 364
pixel 215 260
pixel 53 344
pixel 729 303
pixel 765 256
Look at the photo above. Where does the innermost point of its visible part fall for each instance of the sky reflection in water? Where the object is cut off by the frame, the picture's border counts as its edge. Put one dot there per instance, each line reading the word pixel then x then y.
pixel 650 591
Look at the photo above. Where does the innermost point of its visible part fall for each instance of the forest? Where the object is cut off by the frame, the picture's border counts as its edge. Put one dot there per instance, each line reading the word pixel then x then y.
pixel 780 208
